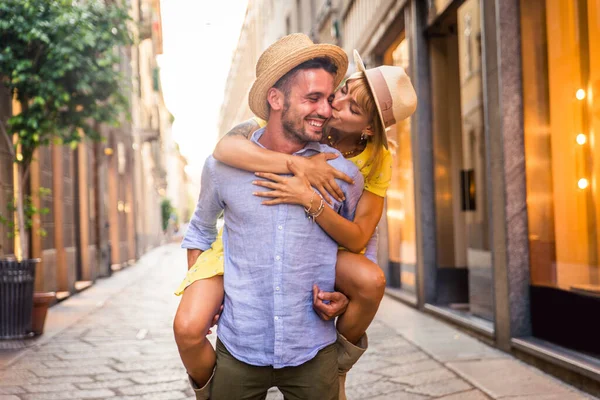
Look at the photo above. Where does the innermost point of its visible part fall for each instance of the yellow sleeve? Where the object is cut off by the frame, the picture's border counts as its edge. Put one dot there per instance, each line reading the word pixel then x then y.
pixel 261 122
pixel 379 182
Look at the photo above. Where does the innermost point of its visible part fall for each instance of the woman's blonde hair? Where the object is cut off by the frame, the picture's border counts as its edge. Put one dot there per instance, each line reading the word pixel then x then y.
pixel 364 98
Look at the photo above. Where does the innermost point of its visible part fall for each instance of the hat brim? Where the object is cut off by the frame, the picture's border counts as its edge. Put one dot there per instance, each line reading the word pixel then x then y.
pixel 360 66
pixel 257 98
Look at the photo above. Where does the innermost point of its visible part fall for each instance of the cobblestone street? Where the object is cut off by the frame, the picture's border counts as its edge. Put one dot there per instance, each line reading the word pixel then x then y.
pixel 114 341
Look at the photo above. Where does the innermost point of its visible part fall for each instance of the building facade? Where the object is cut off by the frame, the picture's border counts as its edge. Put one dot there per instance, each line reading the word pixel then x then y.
pixel 491 217
pixel 104 199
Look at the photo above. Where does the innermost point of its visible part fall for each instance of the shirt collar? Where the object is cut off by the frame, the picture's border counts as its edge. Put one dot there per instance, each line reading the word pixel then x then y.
pixel 310 146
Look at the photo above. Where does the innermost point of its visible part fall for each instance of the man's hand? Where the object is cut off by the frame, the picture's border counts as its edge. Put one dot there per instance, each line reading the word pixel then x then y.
pixel 336 303
pixel 215 320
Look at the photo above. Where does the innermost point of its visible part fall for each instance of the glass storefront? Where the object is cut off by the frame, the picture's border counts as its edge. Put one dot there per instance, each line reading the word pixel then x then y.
pixel 464 253
pixel 400 196
pixel 561 83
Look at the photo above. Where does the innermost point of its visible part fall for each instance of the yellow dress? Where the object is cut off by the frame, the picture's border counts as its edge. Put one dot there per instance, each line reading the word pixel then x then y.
pixel 210 263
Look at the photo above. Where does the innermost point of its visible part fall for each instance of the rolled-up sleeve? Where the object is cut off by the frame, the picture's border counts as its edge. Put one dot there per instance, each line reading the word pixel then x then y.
pixel 202 230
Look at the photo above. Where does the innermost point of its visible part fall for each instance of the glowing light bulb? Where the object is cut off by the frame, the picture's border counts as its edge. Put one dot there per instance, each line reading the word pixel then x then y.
pixel 580 94
pixel 583 183
pixel 581 139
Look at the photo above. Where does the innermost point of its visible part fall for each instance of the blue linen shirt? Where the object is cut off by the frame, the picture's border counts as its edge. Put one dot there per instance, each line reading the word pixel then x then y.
pixel 273 256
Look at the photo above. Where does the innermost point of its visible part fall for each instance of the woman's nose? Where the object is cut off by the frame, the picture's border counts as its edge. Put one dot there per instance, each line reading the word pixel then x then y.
pixel 335 104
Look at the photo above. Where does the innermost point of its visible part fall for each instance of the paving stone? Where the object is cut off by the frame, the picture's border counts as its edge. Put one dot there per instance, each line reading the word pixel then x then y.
pixel 561 396
pixel 98 354
pixel 370 365
pixel 119 375
pixel 469 395
pixel 148 366
pixel 39 356
pixel 367 391
pixel 105 384
pixel 11 390
pixel 65 379
pixel 405 358
pixel 171 395
pixel 159 377
pixel 400 396
pixel 26 365
pixel 79 363
pixel 360 378
pixel 70 347
pixel 9 376
pixel 85 370
pixel 50 387
pixel 492 375
pixel 441 388
pixel 159 387
pixel 407 369
pixel 80 394
pixel 422 378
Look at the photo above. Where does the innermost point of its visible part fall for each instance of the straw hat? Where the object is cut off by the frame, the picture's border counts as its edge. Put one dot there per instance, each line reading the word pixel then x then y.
pixel 394 95
pixel 283 56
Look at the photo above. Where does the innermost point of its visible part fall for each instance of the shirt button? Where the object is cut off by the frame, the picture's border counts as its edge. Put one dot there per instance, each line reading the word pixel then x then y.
pixel 280 227
pixel 277 258
pixel 277 288
pixel 276 318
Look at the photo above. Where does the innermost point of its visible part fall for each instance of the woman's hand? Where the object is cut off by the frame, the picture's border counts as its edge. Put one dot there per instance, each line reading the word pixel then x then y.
pixel 322 176
pixel 286 190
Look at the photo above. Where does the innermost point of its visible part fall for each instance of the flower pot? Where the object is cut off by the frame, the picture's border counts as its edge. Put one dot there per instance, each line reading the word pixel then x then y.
pixel 41 302
pixel 16 297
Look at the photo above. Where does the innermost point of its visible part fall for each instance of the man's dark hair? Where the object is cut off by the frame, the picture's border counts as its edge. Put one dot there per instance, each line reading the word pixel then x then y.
pixel 324 63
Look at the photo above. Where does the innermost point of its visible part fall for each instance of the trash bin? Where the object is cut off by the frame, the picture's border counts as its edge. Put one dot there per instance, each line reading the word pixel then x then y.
pixel 16 297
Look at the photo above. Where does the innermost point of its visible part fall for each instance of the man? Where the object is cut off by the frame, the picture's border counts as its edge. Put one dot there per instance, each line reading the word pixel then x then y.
pixel 269 334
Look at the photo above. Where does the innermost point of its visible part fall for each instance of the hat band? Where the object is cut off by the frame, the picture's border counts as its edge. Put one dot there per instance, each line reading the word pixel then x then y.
pixel 382 95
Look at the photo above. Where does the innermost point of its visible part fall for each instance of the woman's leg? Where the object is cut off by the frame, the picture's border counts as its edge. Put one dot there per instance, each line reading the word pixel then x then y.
pixel 363 282
pixel 199 304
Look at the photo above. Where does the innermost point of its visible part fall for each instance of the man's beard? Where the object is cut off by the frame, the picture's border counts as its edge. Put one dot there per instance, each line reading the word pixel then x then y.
pixel 294 128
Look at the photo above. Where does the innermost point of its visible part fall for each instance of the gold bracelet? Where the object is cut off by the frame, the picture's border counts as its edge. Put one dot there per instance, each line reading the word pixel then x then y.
pixel 313 215
pixel 307 210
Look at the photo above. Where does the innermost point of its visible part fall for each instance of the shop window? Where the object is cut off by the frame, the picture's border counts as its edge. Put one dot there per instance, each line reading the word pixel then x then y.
pixel 561 85
pixel 400 198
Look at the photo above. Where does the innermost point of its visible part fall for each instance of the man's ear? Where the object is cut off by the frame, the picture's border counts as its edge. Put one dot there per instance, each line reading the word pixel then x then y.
pixel 275 98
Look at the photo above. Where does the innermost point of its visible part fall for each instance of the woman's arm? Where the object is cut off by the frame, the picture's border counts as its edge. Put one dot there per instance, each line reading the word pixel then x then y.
pixel 353 235
pixel 236 150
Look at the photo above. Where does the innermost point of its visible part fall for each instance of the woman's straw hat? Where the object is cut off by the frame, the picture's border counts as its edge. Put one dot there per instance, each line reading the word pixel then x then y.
pixel 394 95
pixel 283 56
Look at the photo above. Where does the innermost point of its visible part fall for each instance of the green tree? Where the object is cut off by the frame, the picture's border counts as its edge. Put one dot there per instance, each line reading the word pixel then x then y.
pixel 166 209
pixel 60 59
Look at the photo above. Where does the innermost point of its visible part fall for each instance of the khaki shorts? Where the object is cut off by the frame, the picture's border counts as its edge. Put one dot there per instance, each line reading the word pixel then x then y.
pixel 316 379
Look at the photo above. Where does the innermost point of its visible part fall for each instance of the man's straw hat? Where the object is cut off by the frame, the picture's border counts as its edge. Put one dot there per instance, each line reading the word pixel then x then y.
pixel 283 56
pixel 394 95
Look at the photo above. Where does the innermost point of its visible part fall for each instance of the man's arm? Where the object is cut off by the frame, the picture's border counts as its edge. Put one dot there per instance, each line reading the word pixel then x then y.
pixel 202 230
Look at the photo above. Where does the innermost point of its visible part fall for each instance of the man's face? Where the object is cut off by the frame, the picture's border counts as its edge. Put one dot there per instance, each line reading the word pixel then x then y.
pixel 306 108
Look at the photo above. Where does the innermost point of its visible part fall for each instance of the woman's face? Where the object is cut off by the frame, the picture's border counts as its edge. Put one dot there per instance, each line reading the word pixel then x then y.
pixel 347 116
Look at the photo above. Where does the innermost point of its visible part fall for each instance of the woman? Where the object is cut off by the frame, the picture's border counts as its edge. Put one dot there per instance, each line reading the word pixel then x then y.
pixel 368 103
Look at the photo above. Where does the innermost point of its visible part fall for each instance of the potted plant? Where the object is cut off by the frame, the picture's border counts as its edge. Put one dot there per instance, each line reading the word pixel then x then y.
pixel 58 61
